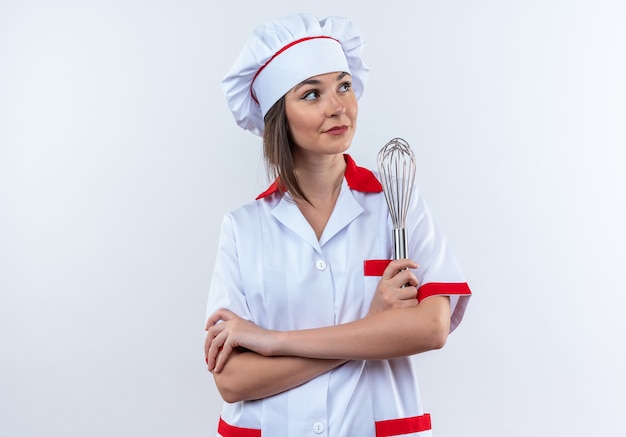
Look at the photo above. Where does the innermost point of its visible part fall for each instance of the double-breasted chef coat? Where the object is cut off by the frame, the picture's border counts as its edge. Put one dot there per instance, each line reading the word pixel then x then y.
pixel 271 269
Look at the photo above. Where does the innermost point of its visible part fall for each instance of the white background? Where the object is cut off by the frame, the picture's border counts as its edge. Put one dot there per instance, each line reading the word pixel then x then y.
pixel 118 158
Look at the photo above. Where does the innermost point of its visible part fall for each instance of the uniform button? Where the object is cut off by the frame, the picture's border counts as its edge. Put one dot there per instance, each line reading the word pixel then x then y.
pixel 320 265
pixel 318 427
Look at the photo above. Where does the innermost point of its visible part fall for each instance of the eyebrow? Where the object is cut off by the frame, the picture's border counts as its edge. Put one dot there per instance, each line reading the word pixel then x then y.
pixel 317 82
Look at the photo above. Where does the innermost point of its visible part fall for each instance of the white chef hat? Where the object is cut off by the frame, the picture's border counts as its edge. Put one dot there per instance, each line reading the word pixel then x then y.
pixel 284 52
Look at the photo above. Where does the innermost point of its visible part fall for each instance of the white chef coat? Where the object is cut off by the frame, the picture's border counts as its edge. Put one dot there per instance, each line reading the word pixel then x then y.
pixel 271 269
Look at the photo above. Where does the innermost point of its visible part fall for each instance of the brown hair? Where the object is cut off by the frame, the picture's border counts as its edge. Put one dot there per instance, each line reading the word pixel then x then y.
pixel 277 146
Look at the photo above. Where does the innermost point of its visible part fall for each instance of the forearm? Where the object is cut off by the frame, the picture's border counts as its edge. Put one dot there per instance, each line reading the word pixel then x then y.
pixel 249 376
pixel 389 334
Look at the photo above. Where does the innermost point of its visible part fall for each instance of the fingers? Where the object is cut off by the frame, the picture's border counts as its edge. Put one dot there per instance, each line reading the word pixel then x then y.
pixel 211 338
pixel 221 314
pixel 405 294
pixel 215 345
pixel 218 352
pixel 405 278
pixel 398 272
pixel 397 287
pixel 397 265
pixel 207 343
pixel 208 340
pixel 222 357
pixel 400 297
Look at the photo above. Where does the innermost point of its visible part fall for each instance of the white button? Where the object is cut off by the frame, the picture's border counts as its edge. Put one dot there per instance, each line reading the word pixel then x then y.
pixel 318 427
pixel 320 265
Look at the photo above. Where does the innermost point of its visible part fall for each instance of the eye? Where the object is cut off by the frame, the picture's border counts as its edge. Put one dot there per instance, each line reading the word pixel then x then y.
pixel 345 87
pixel 310 95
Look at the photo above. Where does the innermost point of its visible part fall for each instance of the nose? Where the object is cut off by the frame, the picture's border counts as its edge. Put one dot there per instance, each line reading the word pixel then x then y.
pixel 335 106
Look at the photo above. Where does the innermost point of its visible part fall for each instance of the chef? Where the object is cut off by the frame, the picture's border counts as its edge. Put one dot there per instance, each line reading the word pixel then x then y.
pixel 310 326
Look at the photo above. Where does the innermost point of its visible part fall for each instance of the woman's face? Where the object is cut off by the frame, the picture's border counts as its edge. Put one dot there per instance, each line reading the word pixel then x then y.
pixel 321 114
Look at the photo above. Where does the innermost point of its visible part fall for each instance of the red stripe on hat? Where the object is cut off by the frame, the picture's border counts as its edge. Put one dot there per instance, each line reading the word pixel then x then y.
pixel 291 44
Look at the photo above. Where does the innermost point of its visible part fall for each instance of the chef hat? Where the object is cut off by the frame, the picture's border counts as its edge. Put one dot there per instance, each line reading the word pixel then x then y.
pixel 284 52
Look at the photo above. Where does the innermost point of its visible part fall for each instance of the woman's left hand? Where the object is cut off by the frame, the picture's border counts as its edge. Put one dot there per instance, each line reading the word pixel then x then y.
pixel 397 287
pixel 233 332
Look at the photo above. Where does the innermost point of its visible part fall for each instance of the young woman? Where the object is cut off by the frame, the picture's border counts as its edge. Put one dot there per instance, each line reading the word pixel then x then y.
pixel 310 326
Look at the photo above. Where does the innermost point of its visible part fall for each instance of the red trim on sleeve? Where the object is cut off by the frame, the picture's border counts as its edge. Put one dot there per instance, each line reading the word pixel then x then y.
pixel 375 267
pixel 443 289
pixel 226 430
pixel 387 428
pixel 358 178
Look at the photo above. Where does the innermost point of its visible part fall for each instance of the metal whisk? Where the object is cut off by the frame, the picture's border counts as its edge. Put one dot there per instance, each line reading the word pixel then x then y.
pixel 396 164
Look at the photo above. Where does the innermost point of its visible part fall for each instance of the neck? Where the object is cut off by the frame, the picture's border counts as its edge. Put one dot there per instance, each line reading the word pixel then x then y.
pixel 321 177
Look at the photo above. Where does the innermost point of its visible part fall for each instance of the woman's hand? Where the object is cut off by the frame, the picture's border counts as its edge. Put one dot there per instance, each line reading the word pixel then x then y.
pixel 232 333
pixel 397 287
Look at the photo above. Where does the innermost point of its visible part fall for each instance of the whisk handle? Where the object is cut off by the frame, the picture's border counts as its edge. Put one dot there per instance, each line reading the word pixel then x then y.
pixel 400 243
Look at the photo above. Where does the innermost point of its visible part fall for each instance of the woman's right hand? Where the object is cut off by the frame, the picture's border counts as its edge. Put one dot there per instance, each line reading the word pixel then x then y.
pixel 233 332
pixel 397 287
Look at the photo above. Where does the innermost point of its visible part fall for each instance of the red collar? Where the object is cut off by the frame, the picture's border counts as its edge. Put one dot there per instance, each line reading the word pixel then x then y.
pixel 358 178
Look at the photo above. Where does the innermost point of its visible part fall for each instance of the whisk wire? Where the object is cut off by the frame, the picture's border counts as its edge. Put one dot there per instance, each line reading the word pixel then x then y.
pixel 396 164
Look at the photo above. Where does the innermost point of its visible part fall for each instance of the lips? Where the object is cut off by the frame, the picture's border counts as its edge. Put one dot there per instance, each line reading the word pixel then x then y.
pixel 337 130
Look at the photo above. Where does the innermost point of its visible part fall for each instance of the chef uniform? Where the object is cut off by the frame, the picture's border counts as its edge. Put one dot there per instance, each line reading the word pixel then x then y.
pixel 271 268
